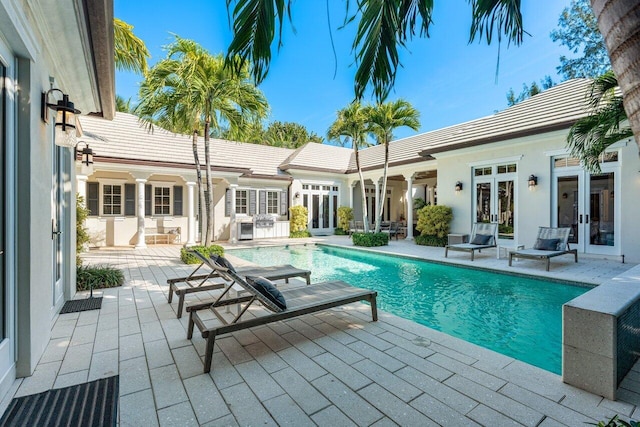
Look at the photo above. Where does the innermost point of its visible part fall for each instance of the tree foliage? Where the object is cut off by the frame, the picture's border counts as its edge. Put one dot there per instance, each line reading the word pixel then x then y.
pixel 529 91
pixel 123 105
pixel 578 31
pixel 276 134
pixel 383 26
pixel 130 51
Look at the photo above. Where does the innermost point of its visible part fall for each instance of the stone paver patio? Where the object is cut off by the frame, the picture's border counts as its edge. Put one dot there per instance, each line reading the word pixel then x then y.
pixel 333 368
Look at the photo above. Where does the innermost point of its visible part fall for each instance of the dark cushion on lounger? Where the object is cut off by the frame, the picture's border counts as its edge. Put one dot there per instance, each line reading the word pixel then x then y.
pixel 547 244
pixel 481 239
pixel 270 292
pixel 222 262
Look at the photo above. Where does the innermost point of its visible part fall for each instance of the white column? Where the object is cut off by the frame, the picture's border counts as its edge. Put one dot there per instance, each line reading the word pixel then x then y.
pixel 191 215
pixel 82 187
pixel 432 195
pixel 377 203
pixel 409 207
pixel 233 227
pixel 352 187
pixel 141 237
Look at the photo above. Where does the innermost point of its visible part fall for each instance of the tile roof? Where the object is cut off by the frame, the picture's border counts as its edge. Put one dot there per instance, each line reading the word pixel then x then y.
pixel 320 157
pixel 126 138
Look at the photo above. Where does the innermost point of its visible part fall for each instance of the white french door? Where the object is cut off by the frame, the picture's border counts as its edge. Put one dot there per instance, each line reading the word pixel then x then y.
pixel 321 202
pixel 57 222
pixel 587 203
pixel 494 202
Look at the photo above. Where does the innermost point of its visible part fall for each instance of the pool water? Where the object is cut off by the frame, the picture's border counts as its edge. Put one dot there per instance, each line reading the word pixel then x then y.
pixel 517 316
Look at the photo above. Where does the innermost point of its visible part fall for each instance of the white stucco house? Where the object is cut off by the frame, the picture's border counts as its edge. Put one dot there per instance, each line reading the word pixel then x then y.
pixel 512 167
pixel 47 48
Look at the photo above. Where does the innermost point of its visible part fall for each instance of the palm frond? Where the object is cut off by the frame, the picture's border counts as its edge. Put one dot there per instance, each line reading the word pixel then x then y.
pixel 130 52
pixel 501 16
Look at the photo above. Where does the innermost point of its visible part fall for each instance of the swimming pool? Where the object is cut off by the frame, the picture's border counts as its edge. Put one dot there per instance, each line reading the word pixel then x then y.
pixel 517 316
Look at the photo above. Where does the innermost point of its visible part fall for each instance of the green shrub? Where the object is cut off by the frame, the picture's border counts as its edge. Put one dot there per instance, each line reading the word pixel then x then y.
pixel 299 234
pixel 431 241
pixel 187 258
pixel 370 239
pixel 340 232
pixel 434 220
pixel 616 422
pixel 298 222
pixel 98 277
pixel 82 237
pixel 345 214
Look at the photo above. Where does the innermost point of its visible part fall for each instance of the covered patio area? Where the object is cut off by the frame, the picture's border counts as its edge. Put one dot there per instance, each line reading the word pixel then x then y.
pixel 331 368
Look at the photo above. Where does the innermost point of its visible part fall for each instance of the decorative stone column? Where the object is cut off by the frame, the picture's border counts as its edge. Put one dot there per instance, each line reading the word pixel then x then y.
pixel 233 227
pixel 409 197
pixel 141 235
pixel 82 186
pixel 191 216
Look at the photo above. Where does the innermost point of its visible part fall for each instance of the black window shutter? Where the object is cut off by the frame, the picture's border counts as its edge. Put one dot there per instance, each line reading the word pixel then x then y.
pixel 227 202
pixel 147 200
pixel 284 202
pixel 262 195
pixel 129 199
pixel 93 198
pixel 252 202
pixel 177 200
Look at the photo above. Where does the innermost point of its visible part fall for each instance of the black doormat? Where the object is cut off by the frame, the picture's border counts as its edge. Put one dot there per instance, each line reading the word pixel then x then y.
pixel 88 404
pixel 76 305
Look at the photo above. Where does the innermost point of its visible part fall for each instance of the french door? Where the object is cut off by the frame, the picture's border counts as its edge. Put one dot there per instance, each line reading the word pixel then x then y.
pixel 321 202
pixel 587 204
pixel 494 200
pixel 57 236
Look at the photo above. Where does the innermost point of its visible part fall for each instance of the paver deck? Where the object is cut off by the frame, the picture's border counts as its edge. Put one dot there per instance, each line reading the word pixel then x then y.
pixel 331 368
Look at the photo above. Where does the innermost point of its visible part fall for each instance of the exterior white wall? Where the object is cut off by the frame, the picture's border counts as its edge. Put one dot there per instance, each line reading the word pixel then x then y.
pixel 630 212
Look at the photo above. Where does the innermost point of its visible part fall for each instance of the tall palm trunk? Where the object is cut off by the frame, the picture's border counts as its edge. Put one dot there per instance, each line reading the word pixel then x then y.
pixel 383 194
pixel 365 215
pixel 196 160
pixel 619 23
pixel 209 187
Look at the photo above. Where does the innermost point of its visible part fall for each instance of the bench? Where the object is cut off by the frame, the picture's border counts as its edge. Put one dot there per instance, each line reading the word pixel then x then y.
pixel 164 234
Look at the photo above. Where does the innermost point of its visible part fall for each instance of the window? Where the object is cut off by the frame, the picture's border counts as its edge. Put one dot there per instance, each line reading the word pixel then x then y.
pixel 111 199
pixel 510 168
pixel 242 202
pixel 272 202
pixel 483 171
pixel 162 200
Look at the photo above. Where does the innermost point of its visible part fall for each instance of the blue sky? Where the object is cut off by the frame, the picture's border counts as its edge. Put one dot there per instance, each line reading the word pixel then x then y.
pixel 445 78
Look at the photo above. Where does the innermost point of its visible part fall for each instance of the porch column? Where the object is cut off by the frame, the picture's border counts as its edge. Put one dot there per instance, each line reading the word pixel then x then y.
pixel 141 237
pixel 233 227
pixel 352 187
pixel 82 187
pixel 409 207
pixel 191 216
pixel 377 203
pixel 432 195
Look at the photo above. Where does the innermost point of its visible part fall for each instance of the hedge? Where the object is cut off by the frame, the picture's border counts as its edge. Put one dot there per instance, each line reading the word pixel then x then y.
pixel 370 239
pixel 187 258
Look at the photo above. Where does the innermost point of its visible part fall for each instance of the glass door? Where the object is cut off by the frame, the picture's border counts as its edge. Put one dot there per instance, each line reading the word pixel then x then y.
pixel 320 203
pixel 495 203
pixel 56 228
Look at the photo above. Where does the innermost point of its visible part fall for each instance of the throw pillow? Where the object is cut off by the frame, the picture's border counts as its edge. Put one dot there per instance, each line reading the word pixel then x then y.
pixel 270 292
pixel 223 262
pixel 546 244
pixel 481 239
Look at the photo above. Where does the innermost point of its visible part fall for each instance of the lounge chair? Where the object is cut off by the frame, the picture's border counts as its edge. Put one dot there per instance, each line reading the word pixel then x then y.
pixel 551 242
pixel 200 283
pixel 282 305
pixel 483 236
pixel 392 228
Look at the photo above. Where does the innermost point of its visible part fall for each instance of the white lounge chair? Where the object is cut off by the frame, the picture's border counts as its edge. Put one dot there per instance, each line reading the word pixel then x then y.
pixel 551 242
pixel 483 236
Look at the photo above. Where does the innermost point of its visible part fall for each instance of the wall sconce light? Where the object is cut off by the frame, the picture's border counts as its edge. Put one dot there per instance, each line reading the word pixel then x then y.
pixel 86 157
pixel 458 187
pixel 297 195
pixel 65 124
pixel 533 181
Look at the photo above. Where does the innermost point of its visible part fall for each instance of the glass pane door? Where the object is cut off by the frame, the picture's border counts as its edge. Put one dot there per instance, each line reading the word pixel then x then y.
pixel 483 202
pixel 506 210
pixel 567 205
pixel 601 218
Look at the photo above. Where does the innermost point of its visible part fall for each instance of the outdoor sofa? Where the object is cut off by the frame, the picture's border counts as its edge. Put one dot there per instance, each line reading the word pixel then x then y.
pixel 205 315
pixel 551 242
pixel 202 282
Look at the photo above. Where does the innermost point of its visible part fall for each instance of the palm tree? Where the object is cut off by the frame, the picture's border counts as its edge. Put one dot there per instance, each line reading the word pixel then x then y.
pixel 591 135
pixel 351 125
pixel 383 120
pixel 192 90
pixel 618 21
pixel 130 52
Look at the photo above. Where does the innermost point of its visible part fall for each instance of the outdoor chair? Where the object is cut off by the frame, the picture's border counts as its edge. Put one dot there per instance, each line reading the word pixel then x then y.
pixel 200 283
pixel 483 236
pixel 279 305
pixel 551 242
pixel 392 228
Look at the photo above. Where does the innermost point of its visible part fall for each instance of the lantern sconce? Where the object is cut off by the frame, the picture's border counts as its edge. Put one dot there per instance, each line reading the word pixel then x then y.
pixel 533 181
pixel 65 119
pixel 458 187
pixel 86 157
pixel 297 195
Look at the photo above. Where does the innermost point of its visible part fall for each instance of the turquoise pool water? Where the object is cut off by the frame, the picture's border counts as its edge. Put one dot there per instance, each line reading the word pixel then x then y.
pixel 516 316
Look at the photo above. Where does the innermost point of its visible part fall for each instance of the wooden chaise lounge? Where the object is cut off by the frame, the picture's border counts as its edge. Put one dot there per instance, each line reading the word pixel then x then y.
pixel 201 282
pixel 299 301
pixel 551 242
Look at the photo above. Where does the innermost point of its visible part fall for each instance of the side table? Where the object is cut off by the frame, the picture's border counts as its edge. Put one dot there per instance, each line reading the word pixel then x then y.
pixel 508 248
